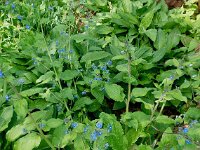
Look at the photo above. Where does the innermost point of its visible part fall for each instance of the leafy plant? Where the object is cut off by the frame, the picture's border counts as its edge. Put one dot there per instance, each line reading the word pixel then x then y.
pixel 99 75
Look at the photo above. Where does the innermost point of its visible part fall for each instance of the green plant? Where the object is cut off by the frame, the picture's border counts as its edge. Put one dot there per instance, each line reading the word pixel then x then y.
pixel 98 75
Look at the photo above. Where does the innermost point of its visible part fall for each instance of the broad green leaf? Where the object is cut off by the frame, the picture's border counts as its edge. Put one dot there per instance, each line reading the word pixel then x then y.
pixel 92 56
pixel 31 91
pixel 115 92
pixel 168 139
pixel 79 144
pixel 132 136
pixel 28 142
pixel 152 34
pixel 80 103
pixel 193 44
pixel 144 147
pixel 164 120
pixel 98 94
pixel 160 40
pixel 102 29
pixel 127 6
pixel 69 74
pixel 146 21
pixel 137 92
pixel 159 54
pixel 116 139
pixel 185 84
pixel 5 117
pixel 122 67
pixel 21 107
pixel 174 38
pixel 177 95
pixel 142 118
pixel 45 78
pixel 54 123
pixel 129 17
pixel 15 132
pixel 67 93
pixel 193 113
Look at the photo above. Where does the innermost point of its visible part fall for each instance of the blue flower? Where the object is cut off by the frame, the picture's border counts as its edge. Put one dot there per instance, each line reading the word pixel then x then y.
pixel 83 93
pixel 7 2
pixel 98 133
pixel 61 50
pixel 41 125
pixel 187 141
pixel 171 77
pixel 97 79
pixel 1 74
pixel 103 68
pixel 27 27
pixel 71 51
pixel 106 146
pixel 74 124
pixel 75 96
pixel 7 98
pixel 86 129
pixel 94 66
pixel 185 130
pixel 109 128
pixel 50 8
pixel 93 136
pixel 13 6
pixel 109 63
pixel 66 131
pixel 19 18
pixel 99 125
pixel 21 81
pixel 24 131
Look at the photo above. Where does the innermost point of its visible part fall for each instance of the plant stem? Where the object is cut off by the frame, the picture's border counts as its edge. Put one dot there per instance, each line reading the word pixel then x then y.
pixel 129 85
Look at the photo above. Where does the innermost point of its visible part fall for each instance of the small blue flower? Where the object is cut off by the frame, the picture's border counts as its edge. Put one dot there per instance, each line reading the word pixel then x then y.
pixel 41 125
pixel 66 120
pixel 50 8
pixel 98 133
pixel 86 26
pixel 57 43
pixel 1 74
pixel 93 136
pixel 7 2
pixel 185 130
pixel 106 146
pixel 59 107
pixel 27 27
pixel 21 81
pixel 24 131
pixel 13 6
pixel 83 93
pixel 109 128
pixel 71 51
pixel 171 77
pixel 99 125
pixel 61 50
pixel 19 18
pixel 86 129
pixel 74 124
pixel 98 79
pixel 94 66
pixel 109 63
pixel 75 96
pixel 104 68
pixel 66 131
pixel 7 98
pixel 188 141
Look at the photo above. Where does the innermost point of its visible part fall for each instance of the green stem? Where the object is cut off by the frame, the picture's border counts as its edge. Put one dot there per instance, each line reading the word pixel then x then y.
pixel 129 85
pixel 57 78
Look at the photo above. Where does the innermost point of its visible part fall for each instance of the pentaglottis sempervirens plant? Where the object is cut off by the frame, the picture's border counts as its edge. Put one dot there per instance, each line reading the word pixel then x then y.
pixel 99 75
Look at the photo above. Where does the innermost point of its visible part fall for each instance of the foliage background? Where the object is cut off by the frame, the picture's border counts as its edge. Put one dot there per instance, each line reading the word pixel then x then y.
pixel 99 75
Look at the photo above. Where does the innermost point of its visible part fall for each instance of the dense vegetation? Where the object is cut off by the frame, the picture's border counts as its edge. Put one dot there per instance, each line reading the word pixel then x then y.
pixel 99 74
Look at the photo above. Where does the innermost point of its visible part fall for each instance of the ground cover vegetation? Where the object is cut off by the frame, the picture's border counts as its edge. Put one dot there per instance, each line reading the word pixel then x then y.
pixel 99 74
